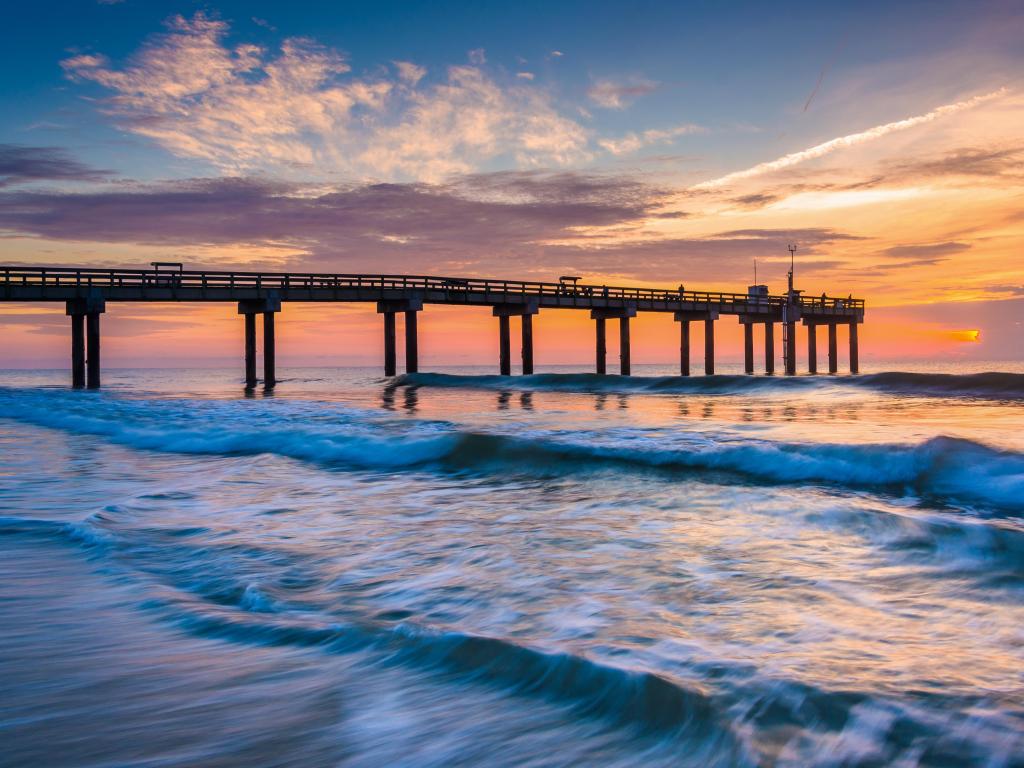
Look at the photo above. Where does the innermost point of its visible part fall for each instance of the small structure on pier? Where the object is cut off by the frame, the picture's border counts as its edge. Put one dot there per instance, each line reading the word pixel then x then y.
pixel 86 291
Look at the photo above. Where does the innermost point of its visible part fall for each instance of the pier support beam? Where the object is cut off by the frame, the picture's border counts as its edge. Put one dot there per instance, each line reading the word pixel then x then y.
pixel 390 367
pixel 389 308
pixel 622 314
pixel 92 350
pixel 684 318
pixel 769 348
pixel 269 352
pixel 790 330
pixel 85 340
pixel 412 344
pixel 527 347
pixel 525 312
pixel 709 346
pixel 854 352
pixel 250 308
pixel 833 362
pixel 748 348
pixel 812 348
pixel 250 350
pixel 504 345
pixel 624 366
pixel 684 347
pixel 77 350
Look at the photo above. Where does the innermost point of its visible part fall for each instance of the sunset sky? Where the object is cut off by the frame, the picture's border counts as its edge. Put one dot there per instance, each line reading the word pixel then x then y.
pixel 630 143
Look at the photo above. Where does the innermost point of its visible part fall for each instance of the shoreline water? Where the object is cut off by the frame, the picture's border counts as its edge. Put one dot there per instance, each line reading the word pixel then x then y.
pixel 547 570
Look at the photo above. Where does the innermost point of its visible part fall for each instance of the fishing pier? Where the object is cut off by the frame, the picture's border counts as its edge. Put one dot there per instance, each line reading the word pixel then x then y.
pixel 85 293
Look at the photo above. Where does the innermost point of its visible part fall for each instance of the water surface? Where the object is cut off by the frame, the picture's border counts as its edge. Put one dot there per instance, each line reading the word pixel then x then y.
pixel 560 569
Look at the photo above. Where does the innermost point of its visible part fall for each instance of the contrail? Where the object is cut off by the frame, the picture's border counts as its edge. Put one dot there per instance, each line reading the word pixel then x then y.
pixel 825 69
pixel 848 141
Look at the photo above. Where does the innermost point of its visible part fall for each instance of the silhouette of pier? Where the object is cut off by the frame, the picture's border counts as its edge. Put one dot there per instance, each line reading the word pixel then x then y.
pixel 86 292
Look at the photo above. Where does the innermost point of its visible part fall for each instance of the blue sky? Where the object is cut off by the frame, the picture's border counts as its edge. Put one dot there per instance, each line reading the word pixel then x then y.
pixel 742 70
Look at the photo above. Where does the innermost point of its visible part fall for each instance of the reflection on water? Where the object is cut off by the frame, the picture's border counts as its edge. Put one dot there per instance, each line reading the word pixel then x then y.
pixel 466 571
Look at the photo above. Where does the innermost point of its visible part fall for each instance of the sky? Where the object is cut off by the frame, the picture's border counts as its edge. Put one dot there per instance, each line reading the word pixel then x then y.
pixel 636 143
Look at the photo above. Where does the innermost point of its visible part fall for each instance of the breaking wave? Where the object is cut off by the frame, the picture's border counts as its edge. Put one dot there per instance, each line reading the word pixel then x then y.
pixel 938 468
pixel 992 385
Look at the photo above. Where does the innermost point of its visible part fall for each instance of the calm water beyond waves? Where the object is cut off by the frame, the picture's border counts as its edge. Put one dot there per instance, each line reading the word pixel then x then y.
pixel 563 569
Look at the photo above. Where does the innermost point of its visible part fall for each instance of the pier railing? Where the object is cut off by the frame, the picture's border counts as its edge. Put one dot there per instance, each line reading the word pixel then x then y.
pixel 234 280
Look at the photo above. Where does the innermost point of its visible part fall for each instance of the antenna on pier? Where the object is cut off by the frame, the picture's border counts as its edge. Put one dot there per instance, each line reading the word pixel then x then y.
pixel 792 265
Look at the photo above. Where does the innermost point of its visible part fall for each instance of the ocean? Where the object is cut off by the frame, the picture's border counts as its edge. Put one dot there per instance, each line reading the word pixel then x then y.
pixel 563 569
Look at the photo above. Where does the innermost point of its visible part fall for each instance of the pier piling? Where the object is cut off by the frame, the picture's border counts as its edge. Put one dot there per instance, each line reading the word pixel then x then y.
pixel 622 314
pixel 854 352
pixel 624 367
pixel 389 308
pixel 525 312
pixel 92 357
pixel 833 362
pixel 505 345
pixel 527 340
pixel 77 349
pixel 748 348
pixel 412 346
pixel 250 350
pixel 684 347
pixel 790 331
pixel 812 348
pixel 769 348
pixel 269 356
pixel 267 307
pixel 709 345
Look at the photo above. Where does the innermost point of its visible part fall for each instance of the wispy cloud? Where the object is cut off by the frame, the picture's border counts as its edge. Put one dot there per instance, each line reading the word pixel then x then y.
pixel 633 142
pixel 850 140
pixel 243 108
pixel 926 250
pixel 613 94
pixel 507 223
pixel 21 164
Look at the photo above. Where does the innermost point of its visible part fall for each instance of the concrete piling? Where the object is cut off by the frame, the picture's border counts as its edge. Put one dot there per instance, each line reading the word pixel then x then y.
pixel 412 346
pixel 78 350
pixel 269 352
pixel 790 330
pixel 624 363
pixel 833 360
pixel 748 348
pixel 505 345
pixel 684 347
pixel 812 348
pixel 527 344
pixel 709 345
pixel 92 357
pixel 854 352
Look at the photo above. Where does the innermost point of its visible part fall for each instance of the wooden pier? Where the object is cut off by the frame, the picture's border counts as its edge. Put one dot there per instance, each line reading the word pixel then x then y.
pixel 86 292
